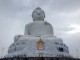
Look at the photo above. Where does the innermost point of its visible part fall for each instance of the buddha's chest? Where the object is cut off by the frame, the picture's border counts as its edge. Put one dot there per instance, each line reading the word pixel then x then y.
pixel 40 29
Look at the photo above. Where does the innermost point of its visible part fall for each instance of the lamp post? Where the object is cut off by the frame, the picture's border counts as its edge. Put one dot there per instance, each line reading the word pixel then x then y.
pixel 77 53
pixel 2 53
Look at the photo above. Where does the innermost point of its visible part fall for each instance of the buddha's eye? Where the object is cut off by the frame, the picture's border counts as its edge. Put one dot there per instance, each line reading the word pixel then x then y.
pixel 36 12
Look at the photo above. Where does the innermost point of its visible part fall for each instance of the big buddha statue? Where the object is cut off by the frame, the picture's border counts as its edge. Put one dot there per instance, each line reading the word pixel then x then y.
pixel 38 40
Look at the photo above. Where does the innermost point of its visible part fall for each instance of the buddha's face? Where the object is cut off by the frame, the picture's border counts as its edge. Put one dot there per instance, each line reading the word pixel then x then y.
pixel 38 14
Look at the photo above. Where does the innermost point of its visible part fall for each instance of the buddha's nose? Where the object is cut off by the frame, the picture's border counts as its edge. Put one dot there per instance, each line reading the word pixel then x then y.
pixel 38 13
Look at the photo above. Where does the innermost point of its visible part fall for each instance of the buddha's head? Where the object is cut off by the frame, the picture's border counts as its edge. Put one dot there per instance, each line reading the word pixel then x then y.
pixel 38 14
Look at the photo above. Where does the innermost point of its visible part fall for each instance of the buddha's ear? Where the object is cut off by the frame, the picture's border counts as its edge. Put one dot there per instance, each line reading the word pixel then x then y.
pixel 44 15
pixel 32 14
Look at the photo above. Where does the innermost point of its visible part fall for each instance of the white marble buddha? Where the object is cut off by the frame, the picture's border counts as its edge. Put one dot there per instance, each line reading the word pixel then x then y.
pixel 38 40
pixel 38 27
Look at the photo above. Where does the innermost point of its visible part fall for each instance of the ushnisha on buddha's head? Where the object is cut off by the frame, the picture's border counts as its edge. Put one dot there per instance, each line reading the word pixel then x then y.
pixel 38 14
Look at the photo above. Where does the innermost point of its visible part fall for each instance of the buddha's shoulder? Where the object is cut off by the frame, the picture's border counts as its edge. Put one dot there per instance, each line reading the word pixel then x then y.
pixel 38 23
pixel 29 24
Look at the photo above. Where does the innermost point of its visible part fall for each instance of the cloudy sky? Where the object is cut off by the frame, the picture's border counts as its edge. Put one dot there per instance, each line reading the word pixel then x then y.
pixel 64 15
